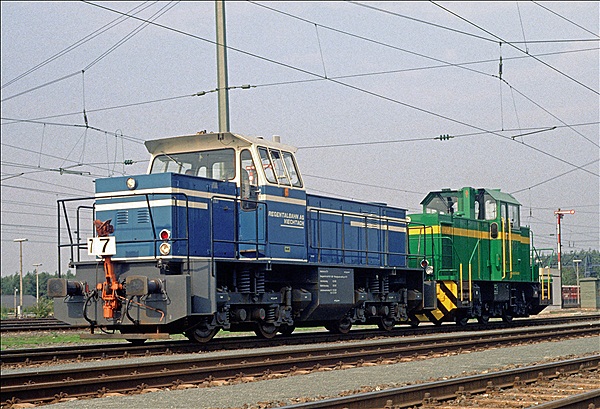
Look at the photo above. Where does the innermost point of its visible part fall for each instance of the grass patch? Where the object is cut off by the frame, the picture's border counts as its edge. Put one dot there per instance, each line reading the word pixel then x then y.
pixel 17 340
pixel 32 340
pixel 50 338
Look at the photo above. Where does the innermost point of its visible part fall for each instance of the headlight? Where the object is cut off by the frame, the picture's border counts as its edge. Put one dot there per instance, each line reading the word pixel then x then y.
pixel 131 183
pixel 429 270
pixel 165 249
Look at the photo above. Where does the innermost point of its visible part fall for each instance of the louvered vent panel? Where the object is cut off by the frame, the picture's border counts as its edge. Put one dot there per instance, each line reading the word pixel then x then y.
pixel 143 216
pixel 122 216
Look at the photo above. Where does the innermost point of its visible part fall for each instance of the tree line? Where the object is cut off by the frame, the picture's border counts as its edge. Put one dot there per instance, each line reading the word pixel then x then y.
pixel 12 282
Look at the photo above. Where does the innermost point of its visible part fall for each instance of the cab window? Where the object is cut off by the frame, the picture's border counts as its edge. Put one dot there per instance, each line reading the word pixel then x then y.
pixel 248 181
pixel 513 215
pixel 490 208
pixel 290 164
pixel 267 165
pixel 447 204
pixel 503 211
pixel 215 164
pixel 280 171
pixel 279 167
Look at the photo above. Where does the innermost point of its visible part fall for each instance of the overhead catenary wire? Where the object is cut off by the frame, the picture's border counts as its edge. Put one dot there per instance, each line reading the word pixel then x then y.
pixel 522 28
pixel 429 23
pixel 348 86
pixel 566 19
pixel 126 137
pixel 517 48
pixel 80 42
pixel 550 113
pixel 419 54
pixel 552 178
pixel 132 33
pixel 292 82
pixel 319 79
pixel 50 156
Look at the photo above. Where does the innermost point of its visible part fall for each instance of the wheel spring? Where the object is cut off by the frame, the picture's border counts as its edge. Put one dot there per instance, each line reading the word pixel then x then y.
pixel 243 282
pixel 270 316
pixel 394 310
pixel 260 282
pixel 373 284
pixel 385 285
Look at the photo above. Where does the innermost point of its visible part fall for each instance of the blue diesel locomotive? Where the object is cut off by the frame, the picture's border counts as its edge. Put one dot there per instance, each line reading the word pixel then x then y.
pixel 221 234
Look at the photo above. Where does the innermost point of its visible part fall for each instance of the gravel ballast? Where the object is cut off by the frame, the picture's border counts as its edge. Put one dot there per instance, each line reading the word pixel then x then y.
pixel 291 389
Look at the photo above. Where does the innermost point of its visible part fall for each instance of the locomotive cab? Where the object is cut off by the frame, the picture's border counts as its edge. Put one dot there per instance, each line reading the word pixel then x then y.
pixel 228 157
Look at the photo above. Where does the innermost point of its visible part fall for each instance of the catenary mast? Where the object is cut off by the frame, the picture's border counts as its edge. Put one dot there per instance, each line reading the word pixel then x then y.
pixel 222 85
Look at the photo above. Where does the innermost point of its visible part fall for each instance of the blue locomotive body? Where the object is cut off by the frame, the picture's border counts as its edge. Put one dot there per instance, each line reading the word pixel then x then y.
pixel 221 234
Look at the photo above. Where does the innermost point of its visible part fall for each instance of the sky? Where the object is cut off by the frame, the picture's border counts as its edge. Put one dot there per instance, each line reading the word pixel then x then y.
pixel 363 89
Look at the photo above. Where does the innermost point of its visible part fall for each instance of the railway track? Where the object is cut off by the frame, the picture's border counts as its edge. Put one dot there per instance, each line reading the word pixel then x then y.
pixel 37 386
pixel 572 383
pixel 35 324
pixel 56 354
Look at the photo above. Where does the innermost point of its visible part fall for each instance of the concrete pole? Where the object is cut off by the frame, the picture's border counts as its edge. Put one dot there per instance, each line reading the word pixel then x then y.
pixel 15 299
pixel 37 284
pixel 577 277
pixel 222 83
pixel 20 241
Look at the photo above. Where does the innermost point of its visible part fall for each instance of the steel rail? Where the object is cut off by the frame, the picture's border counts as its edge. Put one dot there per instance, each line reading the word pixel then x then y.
pixel 55 354
pixel 581 400
pixel 417 395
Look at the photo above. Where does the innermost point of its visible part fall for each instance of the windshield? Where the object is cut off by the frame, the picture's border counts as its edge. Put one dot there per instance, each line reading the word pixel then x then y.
pixel 443 204
pixel 279 167
pixel 216 164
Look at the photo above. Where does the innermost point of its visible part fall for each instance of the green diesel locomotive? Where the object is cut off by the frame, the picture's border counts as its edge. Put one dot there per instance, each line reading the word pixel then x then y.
pixel 481 261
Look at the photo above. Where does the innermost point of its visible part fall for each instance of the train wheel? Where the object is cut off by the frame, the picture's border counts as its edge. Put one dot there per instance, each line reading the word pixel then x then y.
pixel 462 321
pixel 135 341
pixel 340 327
pixel 414 322
pixel 483 318
pixel 386 324
pixel 265 330
pixel 507 317
pixel 287 329
pixel 202 333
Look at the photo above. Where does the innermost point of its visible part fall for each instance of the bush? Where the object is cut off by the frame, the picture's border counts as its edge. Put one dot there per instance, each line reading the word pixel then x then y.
pixel 42 310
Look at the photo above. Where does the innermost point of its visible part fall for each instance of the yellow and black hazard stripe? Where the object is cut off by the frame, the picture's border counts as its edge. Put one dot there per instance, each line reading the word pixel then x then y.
pixel 447 302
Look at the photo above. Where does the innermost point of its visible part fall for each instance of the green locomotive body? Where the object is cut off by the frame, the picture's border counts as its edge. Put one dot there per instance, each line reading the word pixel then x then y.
pixel 481 256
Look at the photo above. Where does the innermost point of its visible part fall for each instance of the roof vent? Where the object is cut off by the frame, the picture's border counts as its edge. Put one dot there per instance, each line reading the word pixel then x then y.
pixel 277 138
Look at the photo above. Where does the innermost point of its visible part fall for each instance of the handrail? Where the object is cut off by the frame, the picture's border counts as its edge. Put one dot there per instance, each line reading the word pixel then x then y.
pixel 510 246
pixel 503 249
pixel 237 202
pixel 471 269
pixel 80 246
pixel 422 232
pixel 381 223
pixel 93 209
